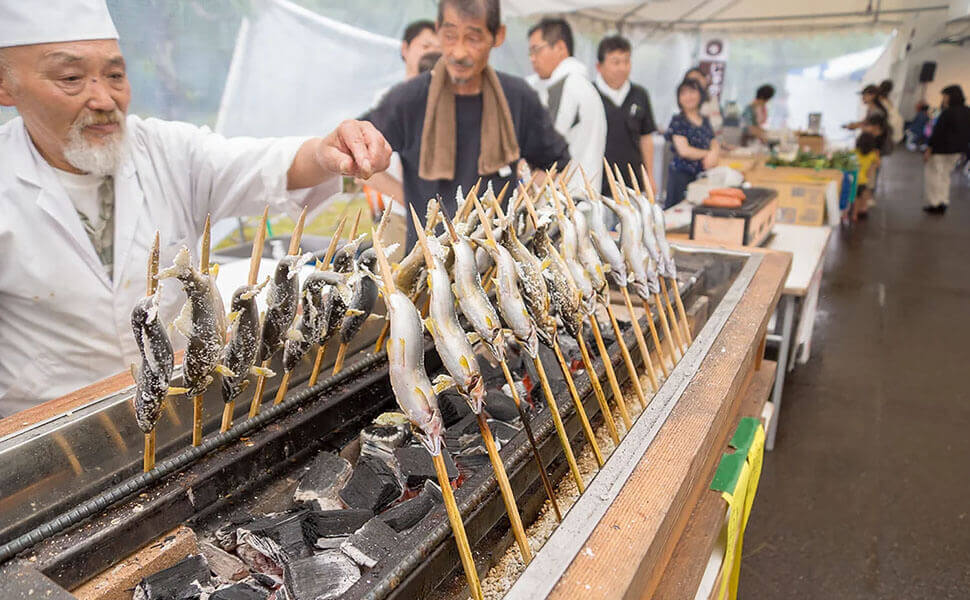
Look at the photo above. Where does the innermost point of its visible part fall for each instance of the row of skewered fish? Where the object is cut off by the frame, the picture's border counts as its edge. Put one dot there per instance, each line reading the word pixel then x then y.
pixel 542 286
pixel 335 300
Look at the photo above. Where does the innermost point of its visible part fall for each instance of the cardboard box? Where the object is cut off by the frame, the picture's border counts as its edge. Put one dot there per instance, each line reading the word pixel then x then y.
pixel 796 175
pixel 803 194
pixel 811 142
pixel 742 162
pixel 749 225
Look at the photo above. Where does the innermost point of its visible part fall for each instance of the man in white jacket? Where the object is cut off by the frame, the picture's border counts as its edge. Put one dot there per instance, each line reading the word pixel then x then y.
pixel 564 88
pixel 84 187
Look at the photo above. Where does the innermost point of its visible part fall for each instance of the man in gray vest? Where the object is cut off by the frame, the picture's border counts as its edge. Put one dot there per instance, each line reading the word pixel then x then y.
pixel 566 91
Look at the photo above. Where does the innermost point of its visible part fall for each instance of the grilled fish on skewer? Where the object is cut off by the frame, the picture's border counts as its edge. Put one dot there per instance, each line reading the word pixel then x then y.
pixel 450 339
pixel 157 362
pixel 405 359
pixel 472 300
pixel 510 302
pixel 529 269
pixel 315 320
pixel 604 244
pixel 282 298
pixel 240 355
pixel 588 256
pixel 564 295
pixel 199 323
pixel 644 279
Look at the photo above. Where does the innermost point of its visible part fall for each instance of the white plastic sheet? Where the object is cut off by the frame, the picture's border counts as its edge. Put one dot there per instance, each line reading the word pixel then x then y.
pixel 295 72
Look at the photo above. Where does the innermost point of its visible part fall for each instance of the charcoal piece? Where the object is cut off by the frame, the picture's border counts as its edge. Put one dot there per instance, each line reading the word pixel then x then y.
pixel 277 536
pixel 501 406
pixel 407 514
pixel 319 526
pixel 239 591
pixel 322 577
pixel 321 482
pixel 225 536
pixel 492 376
pixel 453 407
pixel 570 349
pixel 370 543
pixel 267 581
pixel 417 465
pixel 182 581
pixel 502 432
pixel 225 566
pixel 474 459
pixel 382 440
pixel 458 434
pixel 373 485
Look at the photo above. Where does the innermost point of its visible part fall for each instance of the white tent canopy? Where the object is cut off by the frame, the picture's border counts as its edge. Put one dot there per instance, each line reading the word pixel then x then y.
pixel 733 15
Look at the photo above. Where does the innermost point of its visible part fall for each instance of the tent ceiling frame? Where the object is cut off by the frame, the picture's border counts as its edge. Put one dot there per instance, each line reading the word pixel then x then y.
pixel 682 22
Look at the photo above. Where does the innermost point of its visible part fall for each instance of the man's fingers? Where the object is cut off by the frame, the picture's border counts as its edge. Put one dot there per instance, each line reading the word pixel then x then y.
pixel 352 134
pixel 379 151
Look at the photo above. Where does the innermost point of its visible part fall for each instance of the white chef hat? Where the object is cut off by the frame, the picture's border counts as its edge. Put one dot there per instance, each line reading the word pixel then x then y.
pixel 24 22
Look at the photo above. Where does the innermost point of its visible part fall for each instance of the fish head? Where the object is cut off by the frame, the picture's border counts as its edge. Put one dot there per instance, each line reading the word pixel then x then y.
pixel 181 266
pixel 430 433
pixel 476 393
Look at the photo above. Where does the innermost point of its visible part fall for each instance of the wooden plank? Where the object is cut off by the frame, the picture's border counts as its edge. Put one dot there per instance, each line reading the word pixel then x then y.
pixel 686 566
pixel 72 401
pixel 626 553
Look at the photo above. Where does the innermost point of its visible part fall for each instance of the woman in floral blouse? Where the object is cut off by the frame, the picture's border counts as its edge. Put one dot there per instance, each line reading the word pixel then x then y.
pixel 694 147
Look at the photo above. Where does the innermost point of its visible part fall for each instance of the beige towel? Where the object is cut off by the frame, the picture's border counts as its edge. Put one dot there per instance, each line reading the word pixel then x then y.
pixel 438 139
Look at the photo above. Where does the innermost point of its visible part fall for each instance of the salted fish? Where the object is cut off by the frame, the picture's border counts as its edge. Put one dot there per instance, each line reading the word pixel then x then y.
pixel 564 295
pixel 316 297
pixel 240 354
pixel 199 322
pixel 360 297
pixel 641 275
pixel 603 242
pixel 157 362
pixel 281 300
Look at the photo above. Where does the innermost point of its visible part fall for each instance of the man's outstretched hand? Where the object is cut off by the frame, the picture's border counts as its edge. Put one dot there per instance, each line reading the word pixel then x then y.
pixel 354 148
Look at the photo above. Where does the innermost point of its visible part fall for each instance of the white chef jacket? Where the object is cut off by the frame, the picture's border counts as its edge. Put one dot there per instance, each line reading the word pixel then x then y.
pixel 580 118
pixel 63 323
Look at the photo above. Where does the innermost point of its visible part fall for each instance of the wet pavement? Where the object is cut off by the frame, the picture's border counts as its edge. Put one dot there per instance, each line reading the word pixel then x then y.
pixel 867 493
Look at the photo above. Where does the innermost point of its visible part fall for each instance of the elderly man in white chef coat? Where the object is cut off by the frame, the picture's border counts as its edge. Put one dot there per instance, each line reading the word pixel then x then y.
pixel 84 186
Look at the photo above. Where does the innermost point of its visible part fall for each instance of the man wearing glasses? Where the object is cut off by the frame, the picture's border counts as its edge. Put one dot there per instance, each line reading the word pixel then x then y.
pixel 566 91
pixel 463 120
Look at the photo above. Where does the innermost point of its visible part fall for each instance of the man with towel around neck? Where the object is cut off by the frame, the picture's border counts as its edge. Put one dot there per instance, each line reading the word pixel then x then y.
pixel 464 120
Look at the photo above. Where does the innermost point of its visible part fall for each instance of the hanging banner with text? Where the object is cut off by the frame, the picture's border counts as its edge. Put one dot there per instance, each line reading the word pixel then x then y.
pixel 713 60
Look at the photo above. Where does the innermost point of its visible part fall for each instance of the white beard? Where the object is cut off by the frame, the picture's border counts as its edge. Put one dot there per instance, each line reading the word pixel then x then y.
pixel 101 159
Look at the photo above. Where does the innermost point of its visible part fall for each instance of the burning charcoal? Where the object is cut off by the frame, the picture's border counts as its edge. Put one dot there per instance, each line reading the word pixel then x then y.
pixel 570 349
pixel 373 486
pixel 474 459
pixel 457 435
pixel 182 581
pixel 382 440
pixel 502 432
pixel 322 577
pixel 500 405
pixel 324 477
pixel 453 407
pixel 370 543
pixel 279 537
pixel 417 466
pixel 225 566
pixel 239 591
pixel 329 528
pixel 407 514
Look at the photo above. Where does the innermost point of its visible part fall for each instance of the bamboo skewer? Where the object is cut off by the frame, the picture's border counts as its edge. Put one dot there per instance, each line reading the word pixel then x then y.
pixel 688 338
pixel 331 250
pixel 458 528
pixel 578 403
pixel 338 364
pixel 151 284
pixel 508 496
pixel 532 440
pixel 540 370
pixel 557 421
pixel 663 286
pixel 610 373
pixel 451 507
pixel 259 240
pixel 641 342
pixel 637 387
pixel 204 269
pixel 294 249
pixel 598 390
